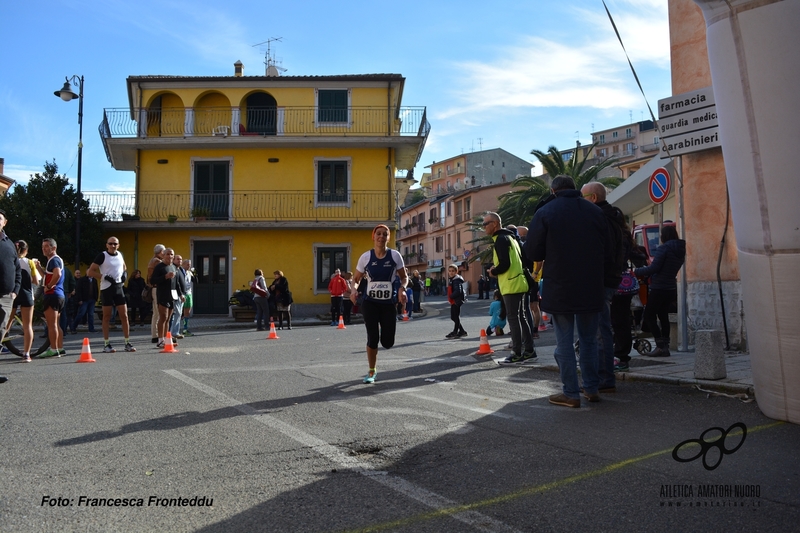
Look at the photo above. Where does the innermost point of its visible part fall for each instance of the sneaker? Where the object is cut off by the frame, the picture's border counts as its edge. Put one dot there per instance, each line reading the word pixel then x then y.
pixel 109 349
pixel 591 397
pixel 462 334
pixel 370 379
pixel 513 359
pixel 50 353
pixel 187 333
pixel 489 332
pixel 178 336
pixel 528 356
pixel 129 347
pixel 3 349
pixel 160 344
pixel 562 399
pixel 27 359
pixel 451 335
pixel 62 352
pixel 621 367
pixel 535 334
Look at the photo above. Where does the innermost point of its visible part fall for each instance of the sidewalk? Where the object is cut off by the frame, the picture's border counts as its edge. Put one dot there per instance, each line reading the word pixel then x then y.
pixel 678 369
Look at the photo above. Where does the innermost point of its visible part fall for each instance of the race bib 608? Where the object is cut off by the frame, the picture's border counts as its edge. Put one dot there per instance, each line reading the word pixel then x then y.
pixel 379 290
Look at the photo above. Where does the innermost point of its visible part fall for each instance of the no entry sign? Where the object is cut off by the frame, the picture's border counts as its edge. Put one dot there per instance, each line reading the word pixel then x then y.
pixel 659 185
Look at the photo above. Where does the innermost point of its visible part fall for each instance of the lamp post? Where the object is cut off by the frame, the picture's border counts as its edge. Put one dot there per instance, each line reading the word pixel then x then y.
pixel 66 93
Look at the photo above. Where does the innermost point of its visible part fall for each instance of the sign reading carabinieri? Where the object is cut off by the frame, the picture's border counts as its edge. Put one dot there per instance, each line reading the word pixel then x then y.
pixel 688 123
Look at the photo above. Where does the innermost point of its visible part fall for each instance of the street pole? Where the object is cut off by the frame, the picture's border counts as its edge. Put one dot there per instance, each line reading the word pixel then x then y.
pixel 66 93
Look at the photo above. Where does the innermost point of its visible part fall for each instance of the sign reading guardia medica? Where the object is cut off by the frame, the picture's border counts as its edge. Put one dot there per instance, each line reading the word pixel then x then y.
pixel 688 123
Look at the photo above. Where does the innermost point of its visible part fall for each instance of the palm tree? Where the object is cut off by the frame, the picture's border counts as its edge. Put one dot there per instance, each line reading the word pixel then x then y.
pixel 518 206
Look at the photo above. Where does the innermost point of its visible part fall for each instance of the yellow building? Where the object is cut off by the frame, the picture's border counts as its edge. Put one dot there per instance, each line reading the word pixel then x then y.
pixel 273 172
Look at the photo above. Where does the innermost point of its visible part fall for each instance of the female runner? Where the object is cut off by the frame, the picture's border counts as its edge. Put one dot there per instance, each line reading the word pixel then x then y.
pixel 378 268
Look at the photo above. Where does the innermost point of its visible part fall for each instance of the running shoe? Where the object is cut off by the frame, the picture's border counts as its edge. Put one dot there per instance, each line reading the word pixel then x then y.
pixel 621 367
pixel 462 334
pixel 129 347
pixel 61 352
pixel 27 359
pixel 529 357
pixel 50 353
pixel 513 359
pixel 160 344
pixel 109 349
pixel 370 379
pixel 452 335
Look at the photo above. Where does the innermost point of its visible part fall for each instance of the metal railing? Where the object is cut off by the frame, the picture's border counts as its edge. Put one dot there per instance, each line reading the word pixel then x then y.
pixel 650 147
pixel 245 206
pixel 281 121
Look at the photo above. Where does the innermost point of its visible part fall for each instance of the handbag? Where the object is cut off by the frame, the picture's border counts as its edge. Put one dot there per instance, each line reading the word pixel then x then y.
pixel 147 294
pixel 258 291
pixel 628 285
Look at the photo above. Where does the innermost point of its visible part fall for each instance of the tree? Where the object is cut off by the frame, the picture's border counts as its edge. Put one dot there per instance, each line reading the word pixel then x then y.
pixel 518 206
pixel 46 207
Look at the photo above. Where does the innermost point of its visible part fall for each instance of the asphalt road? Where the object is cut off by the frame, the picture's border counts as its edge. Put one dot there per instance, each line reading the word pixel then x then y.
pixel 281 435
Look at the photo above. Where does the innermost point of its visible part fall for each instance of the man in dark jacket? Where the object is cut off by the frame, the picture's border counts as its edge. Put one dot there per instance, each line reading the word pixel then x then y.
pixel 571 236
pixel 10 277
pixel 612 275
pixel 86 296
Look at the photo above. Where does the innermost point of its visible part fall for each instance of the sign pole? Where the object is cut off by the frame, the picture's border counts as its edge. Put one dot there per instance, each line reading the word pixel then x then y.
pixel 683 295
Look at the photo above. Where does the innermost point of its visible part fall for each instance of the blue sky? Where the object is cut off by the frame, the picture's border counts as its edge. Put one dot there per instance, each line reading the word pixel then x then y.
pixel 508 74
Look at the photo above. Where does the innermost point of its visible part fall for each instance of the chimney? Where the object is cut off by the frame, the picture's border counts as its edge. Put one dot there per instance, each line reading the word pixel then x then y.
pixel 2 163
pixel 238 69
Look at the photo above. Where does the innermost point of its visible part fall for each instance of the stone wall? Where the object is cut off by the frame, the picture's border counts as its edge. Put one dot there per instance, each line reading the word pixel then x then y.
pixel 705 311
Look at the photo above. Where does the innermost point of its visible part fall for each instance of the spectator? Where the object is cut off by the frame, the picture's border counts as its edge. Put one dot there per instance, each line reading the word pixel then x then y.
pixel 136 286
pixel 456 297
pixel 86 297
pixel 497 311
pixel 416 291
pixel 337 287
pixel 261 298
pixel 571 237
pixel 279 290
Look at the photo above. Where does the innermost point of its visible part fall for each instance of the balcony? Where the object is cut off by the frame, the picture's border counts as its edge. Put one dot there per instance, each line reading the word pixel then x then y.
pixel 126 130
pixel 148 209
pixel 414 259
pixel 650 147
pixel 455 171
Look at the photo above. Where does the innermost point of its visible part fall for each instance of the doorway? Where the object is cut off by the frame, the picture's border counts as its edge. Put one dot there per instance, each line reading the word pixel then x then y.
pixel 212 266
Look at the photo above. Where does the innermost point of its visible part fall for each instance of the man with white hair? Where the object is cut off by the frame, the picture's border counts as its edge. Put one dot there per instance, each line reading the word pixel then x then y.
pixel 158 254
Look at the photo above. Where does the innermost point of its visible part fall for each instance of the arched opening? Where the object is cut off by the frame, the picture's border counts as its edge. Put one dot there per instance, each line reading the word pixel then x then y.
pixel 262 112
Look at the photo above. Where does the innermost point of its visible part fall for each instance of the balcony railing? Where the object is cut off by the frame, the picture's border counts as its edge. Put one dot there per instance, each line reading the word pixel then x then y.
pixel 454 171
pixel 652 147
pixel 244 206
pixel 280 121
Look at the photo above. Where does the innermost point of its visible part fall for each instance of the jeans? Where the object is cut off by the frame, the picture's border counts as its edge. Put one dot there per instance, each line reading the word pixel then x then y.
pixel 86 309
pixel 175 319
pixel 565 351
pixel 336 308
pixel 262 311
pixel 521 338
pixel 605 337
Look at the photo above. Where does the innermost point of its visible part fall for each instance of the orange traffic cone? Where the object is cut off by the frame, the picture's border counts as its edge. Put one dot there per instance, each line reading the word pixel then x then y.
pixel 341 323
pixel 484 348
pixel 86 352
pixel 168 346
pixel 272 333
pixel 405 316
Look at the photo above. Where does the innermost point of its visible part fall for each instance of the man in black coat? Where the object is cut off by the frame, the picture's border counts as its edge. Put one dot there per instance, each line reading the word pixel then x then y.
pixel 612 275
pixel 571 236
pixel 10 278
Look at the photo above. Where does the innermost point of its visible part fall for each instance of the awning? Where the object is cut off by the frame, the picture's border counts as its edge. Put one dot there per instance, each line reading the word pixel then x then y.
pixel 433 270
pixel 632 194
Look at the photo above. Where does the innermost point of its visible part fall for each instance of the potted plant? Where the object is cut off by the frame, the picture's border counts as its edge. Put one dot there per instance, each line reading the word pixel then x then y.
pixel 199 213
pixel 172 218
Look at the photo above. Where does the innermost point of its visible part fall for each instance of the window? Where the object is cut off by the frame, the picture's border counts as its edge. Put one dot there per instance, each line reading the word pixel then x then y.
pixel 602 138
pixel 467 208
pixel 421 249
pixel 413 248
pixel 656 140
pixel 458 239
pixel 332 181
pixel 566 156
pixel 211 187
pixel 504 164
pixel 329 258
pixel 438 244
pixel 442 214
pixel 449 209
pixel 628 133
pixel 615 134
pixel 332 105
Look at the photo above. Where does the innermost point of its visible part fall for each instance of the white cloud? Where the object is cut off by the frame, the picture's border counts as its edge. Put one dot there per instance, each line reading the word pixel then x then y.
pixel 21 174
pixel 588 71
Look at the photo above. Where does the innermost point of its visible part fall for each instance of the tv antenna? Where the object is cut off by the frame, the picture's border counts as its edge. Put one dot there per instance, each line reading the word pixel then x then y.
pixel 271 67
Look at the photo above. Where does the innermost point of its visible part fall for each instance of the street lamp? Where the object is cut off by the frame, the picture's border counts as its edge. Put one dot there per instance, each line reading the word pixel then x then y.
pixel 66 93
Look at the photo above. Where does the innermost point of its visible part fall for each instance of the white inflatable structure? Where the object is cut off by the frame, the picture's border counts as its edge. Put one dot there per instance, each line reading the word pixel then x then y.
pixel 754 53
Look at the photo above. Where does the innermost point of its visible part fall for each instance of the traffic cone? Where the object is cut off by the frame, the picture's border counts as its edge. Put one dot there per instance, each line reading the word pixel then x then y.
pixel 543 323
pixel 272 333
pixel 484 348
pixel 86 353
pixel 341 323
pixel 168 346
pixel 405 316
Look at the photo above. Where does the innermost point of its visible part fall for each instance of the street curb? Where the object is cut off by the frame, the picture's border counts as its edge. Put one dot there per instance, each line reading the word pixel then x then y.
pixel 734 388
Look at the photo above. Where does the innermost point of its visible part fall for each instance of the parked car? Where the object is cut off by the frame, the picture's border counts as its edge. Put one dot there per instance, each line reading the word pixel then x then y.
pixel 647 235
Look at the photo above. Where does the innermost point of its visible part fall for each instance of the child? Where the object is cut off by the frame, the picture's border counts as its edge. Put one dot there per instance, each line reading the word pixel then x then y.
pixel 497 310
pixel 456 297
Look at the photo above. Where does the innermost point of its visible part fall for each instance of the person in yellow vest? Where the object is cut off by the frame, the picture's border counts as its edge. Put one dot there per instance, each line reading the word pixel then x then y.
pixel 507 268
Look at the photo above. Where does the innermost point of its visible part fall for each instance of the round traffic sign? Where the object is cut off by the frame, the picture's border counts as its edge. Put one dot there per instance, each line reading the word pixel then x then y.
pixel 659 186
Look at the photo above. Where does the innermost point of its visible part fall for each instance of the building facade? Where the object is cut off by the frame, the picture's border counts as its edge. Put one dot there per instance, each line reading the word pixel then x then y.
pixel 285 173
